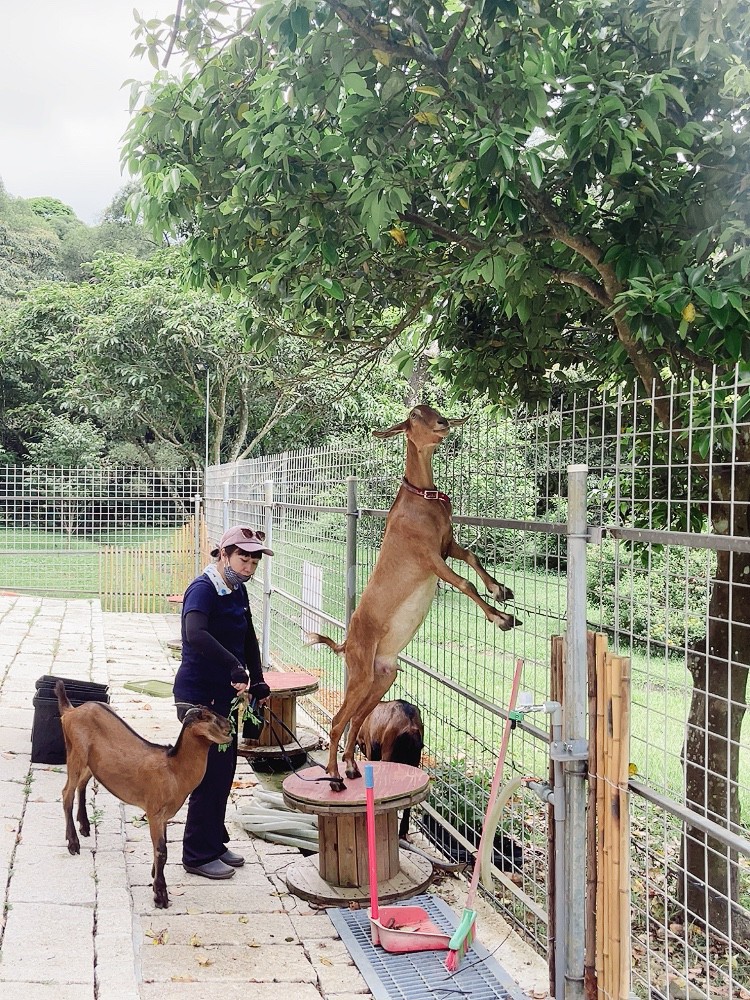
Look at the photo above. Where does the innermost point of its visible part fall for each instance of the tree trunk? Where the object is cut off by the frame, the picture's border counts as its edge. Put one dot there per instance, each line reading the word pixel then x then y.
pixel 711 751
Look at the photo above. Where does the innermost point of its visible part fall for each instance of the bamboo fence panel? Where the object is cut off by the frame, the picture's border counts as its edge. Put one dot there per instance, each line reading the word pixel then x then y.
pixel 595 644
pixel 139 579
pixel 624 818
pixel 610 742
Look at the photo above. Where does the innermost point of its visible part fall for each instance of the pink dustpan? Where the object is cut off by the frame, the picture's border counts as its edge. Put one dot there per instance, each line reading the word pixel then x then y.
pixel 395 928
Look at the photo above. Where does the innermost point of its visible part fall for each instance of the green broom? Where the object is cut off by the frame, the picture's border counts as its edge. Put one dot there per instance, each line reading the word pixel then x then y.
pixel 466 932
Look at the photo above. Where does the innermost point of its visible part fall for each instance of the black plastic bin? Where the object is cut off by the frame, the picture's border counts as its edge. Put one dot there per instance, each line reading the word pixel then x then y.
pixel 47 742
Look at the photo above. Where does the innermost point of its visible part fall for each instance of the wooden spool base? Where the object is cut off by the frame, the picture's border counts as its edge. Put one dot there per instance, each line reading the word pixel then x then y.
pixel 342 863
pixel 280 714
pixel 308 740
pixel 304 880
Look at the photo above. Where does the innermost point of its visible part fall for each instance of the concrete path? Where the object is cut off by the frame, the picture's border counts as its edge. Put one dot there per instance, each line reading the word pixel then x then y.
pixel 85 927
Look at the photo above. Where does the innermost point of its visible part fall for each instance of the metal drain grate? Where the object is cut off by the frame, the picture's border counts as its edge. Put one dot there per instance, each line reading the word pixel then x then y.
pixel 422 974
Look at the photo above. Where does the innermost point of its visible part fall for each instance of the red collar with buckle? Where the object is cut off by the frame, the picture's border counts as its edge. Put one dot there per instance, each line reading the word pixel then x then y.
pixel 428 494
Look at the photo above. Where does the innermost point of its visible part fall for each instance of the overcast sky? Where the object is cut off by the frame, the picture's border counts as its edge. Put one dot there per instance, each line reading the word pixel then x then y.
pixel 62 109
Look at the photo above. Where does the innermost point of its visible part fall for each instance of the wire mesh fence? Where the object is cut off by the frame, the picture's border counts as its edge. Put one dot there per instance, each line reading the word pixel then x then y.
pixel 666 581
pixel 115 533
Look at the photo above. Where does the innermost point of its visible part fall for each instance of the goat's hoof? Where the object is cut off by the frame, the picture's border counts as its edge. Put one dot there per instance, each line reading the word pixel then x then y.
pixel 85 831
pixel 74 847
pixel 353 772
pixel 337 783
pixel 500 593
pixel 161 902
pixel 505 622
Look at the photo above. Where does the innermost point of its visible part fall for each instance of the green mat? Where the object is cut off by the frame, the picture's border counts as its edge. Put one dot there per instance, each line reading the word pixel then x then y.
pixel 157 689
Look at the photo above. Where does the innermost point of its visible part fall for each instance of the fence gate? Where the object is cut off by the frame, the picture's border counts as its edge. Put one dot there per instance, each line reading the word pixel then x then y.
pixel 126 535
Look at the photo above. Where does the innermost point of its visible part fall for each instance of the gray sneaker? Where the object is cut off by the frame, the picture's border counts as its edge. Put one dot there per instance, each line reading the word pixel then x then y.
pixel 230 858
pixel 211 869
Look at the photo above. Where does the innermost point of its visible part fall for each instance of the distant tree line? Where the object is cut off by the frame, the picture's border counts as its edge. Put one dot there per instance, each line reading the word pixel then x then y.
pixel 106 355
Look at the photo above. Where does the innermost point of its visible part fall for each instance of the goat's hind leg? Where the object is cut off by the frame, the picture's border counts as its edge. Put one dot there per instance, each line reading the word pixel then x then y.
pixel 68 797
pixel 383 679
pixel 83 817
pixel 360 666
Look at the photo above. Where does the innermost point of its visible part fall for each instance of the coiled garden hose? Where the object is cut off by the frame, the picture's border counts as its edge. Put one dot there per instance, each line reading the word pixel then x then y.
pixel 267 817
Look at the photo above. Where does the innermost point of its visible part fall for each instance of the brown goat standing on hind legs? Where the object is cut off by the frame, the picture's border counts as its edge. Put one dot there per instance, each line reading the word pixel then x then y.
pixel 155 778
pixel 418 539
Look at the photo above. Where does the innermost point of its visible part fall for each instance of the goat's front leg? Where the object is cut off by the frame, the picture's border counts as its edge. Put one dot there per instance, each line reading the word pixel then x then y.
pixel 503 620
pixel 159 840
pixel 498 591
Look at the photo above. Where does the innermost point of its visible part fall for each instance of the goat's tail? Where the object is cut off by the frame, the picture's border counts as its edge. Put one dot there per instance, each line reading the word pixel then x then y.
pixel 315 638
pixel 62 698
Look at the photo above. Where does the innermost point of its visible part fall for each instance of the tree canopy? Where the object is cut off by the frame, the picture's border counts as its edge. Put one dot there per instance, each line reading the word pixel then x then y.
pixel 554 184
pixel 130 360
pixel 42 239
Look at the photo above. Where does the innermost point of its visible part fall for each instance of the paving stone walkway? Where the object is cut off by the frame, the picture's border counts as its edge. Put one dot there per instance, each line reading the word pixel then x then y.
pixel 85 927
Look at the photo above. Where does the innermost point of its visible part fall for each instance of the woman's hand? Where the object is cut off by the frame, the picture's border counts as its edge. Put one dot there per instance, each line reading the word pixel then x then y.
pixel 260 691
pixel 239 679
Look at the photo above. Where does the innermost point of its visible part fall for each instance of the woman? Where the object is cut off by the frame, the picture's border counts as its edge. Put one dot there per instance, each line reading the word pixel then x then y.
pixel 220 658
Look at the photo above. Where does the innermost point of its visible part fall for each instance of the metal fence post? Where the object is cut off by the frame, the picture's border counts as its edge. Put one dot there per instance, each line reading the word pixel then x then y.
pixel 197 532
pixel 265 651
pixel 352 516
pixel 575 744
pixel 225 508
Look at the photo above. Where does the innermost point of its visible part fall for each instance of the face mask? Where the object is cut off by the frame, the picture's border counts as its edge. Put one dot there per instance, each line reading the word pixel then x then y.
pixel 234 579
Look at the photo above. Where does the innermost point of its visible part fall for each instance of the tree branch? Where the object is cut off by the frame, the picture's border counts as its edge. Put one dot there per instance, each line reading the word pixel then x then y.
pixel 470 242
pixel 591 287
pixel 173 36
pixel 458 30
pixel 276 415
pixel 559 229
pixel 409 53
pixel 605 294
pixel 647 371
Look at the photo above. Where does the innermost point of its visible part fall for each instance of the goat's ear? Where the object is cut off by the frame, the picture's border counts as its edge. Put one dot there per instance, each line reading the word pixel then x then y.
pixel 458 421
pixel 392 431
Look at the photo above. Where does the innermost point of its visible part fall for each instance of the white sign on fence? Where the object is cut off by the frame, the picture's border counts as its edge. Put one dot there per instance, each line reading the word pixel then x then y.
pixel 312 597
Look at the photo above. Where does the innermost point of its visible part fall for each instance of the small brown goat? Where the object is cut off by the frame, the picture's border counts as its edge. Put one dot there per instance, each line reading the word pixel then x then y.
pixel 155 778
pixel 418 539
pixel 394 731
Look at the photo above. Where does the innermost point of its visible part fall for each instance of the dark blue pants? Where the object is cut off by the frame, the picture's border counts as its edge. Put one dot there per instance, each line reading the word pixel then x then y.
pixel 206 836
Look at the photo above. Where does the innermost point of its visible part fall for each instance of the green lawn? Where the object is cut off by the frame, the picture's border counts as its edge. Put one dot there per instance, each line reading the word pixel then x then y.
pixel 71 566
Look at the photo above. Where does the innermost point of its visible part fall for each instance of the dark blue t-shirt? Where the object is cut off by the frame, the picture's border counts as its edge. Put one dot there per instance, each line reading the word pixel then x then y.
pixel 206 682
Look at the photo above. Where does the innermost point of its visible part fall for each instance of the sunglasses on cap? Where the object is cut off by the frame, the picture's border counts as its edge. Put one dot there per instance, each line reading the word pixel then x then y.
pixel 248 533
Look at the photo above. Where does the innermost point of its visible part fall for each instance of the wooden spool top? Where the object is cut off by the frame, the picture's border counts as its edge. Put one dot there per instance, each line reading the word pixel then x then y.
pixel 397 786
pixel 290 683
